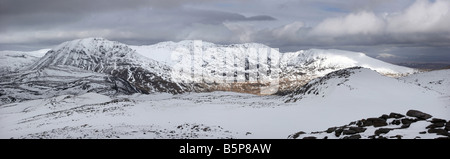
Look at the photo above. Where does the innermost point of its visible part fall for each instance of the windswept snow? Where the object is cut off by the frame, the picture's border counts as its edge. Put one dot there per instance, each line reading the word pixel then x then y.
pixel 438 80
pixel 362 94
pixel 84 89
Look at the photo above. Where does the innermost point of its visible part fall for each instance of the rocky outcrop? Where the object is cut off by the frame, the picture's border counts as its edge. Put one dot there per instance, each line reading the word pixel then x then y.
pixel 418 114
pixel 386 127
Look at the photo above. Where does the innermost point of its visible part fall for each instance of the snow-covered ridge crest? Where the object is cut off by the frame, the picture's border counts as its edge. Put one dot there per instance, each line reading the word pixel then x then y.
pixel 332 58
pixel 251 63
pixel 114 58
pixel 250 67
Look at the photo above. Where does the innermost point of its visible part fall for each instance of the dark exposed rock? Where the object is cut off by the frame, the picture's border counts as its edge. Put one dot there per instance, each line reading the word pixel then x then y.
pixel 376 122
pixel 408 121
pixel 437 120
pixel 356 136
pixel 396 115
pixel 348 132
pixel 447 126
pixel 360 123
pixel 382 131
pixel 422 132
pixel 296 135
pixel 326 137
pixel 418 114
pixel 435 125
pixel 330 130
pixel 396 136
pixel 384 116
pixel 338 132
pixel 438 131
pixel 396 122
pixel 404 126
pixel 358 129
pixel 381 137
pixel 310 137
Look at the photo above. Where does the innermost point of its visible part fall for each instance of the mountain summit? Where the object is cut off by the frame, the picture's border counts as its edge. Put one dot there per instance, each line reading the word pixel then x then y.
pixel 197 66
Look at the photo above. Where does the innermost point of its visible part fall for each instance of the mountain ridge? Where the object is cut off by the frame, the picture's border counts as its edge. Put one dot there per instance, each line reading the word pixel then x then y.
pixel 197 66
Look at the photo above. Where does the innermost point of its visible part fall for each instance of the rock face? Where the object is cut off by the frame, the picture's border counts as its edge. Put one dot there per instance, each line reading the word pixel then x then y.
pixel 418 114
pixel 396 115
pixel 447 126
pixel 113 58
pixel 386 127
pixel 382 131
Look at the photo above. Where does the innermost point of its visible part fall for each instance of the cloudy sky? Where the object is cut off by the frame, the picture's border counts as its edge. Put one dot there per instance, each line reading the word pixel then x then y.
pixel 391 30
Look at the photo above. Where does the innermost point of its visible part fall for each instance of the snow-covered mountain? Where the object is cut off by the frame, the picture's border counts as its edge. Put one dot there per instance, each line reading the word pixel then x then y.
pixel 290 70
pixel 438 80
pixel 13 61
pixel 192 65
pixel 57 80
pixel 95 88
pixel 349 95
pixel 113 58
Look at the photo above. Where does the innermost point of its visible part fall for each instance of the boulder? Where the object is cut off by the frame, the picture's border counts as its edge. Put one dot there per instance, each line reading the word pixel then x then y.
pixel 422 132
pixel 348 132
pixel 396 122
pixel 338 132
pixel 296 135
pixel 396 136
pixel 382 131
pixel 360 123
pixel 384 116
pixel 356 136
pixel 358 129
pixel 438 131
pixel 396 115
pixel 447 126
pixel 437 120
pixel 376 122
pixel 310 137
pixel 330 130
pixel 418 114
pixel 408 121
pixel 435 125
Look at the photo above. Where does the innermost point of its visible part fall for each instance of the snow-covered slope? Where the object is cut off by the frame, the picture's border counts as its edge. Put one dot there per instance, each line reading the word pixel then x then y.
pixel 189 65
pixel 13 61
pixel 198 115
pixel 252 60
pixel 356 82
pixel 58 80
pixel 362 85
pixel 113 58
pixel 326 61
pixel 438 80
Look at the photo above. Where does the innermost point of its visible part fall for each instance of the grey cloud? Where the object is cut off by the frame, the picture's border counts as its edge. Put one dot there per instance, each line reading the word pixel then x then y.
pixel 350 24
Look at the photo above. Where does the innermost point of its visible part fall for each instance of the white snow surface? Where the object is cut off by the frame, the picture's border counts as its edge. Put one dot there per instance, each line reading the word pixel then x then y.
pixel 313 59
pixel 13 61
pixel 438 80
pixel 363 94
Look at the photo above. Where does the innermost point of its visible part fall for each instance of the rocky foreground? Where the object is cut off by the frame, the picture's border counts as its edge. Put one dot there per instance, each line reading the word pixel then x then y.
pixel 414 125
